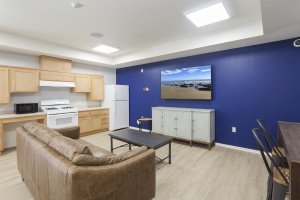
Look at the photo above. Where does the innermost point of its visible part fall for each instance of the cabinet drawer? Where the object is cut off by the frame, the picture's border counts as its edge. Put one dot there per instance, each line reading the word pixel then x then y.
pixel 104 116
pixel 104 112
pixel 56 76
pixel 96 113
pixel 84 114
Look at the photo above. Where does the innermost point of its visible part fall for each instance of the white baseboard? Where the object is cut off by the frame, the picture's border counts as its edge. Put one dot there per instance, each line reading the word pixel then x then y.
pixel 238 148
pixel 217 144
pixel 136 128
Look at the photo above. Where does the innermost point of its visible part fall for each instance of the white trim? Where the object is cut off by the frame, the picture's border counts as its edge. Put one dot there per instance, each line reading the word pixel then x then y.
pixel 57 84
pixel 238 148
pixel 217 144
pixel 136 128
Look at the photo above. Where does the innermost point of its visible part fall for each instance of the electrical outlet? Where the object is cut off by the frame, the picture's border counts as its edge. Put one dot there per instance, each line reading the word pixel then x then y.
pixel 233 129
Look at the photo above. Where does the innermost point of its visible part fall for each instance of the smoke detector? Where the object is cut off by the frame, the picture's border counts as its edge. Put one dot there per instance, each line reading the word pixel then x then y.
pixel 297 43
pixel 96 35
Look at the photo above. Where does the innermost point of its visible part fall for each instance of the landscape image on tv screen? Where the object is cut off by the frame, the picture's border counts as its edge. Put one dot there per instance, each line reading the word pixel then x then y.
pixel 186 83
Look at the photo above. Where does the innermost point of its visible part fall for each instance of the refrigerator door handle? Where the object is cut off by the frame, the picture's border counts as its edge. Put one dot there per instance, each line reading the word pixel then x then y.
pixel 115 106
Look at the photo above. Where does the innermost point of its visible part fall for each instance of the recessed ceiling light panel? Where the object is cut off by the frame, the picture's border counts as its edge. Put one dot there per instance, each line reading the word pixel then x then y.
pixel 76 4
pixel 105 49
pixel 208 15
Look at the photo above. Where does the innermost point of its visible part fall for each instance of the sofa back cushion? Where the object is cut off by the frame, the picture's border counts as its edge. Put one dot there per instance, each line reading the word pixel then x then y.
pixel 41 131
pixel 68 147
pixel 63 145
pixel 70 132
pixel 90 160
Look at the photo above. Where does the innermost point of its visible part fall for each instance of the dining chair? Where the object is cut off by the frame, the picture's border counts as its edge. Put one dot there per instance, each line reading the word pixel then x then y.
pixel 277 152
pixel 279 176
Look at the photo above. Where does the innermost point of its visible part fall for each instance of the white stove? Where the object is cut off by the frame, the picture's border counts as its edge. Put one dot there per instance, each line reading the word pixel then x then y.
pixel 60 113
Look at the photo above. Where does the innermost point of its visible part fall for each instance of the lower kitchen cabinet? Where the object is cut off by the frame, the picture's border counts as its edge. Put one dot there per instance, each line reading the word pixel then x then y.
pixel 94 121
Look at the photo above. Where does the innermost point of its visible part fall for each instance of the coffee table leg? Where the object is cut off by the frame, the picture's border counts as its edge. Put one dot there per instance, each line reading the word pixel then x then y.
pixel 111 145
pixel 170 153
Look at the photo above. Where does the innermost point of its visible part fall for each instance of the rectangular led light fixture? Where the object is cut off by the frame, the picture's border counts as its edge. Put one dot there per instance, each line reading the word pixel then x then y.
pixel 208 15
pixel 105 49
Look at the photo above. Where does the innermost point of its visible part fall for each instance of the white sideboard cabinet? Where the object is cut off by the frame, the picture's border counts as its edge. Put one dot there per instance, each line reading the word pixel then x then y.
pixel 194 125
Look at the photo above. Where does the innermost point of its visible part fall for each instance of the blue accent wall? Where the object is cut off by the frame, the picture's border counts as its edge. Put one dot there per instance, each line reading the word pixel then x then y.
pixel 250 82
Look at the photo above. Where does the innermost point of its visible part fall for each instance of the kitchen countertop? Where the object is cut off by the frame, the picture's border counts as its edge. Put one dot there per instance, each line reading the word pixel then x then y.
pixel 90 108
pixel 14 115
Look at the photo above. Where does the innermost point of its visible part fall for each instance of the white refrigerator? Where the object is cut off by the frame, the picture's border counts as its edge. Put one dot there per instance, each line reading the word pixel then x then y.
pixel 117 100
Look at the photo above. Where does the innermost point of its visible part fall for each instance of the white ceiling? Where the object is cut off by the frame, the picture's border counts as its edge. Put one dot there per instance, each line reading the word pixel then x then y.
pixel 144 31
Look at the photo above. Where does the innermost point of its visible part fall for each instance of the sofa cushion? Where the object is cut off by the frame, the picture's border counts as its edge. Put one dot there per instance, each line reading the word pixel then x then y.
pixel 70 132
pixel 135 152
pixel 89 160
pixel 96 151
pixel 68 147
pixel 41 131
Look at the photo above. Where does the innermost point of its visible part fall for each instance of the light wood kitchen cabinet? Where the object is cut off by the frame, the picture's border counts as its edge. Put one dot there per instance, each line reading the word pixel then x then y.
pixel 84 124
pixel 24 80
pixel 53 64
pixel 82 83
pixel 97 89
pixel 4 85
pixel 56 76
pixel 94 121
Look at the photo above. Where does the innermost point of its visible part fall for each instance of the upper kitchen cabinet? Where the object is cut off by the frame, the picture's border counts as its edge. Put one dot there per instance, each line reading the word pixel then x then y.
pixel 24 80
pixel 97 89
pixel 4 85
pixel 55 69
pixel 56 76
pixel 53 64
pixel 83 83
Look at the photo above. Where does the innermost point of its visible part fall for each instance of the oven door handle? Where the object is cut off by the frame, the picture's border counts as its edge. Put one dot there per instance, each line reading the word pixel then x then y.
pixel 62 114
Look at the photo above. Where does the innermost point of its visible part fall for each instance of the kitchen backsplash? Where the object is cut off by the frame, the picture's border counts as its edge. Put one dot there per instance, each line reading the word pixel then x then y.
pixel 76 99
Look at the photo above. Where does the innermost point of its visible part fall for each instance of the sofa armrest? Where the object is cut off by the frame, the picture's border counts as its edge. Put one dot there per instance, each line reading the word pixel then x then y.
pixel 70 132
pixel 133 179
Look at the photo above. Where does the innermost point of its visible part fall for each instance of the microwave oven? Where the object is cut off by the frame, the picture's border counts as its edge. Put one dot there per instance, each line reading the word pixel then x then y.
pixel 25 108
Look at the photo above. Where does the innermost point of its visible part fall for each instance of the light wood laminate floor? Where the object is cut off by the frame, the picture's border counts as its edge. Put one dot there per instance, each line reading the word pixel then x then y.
pixel 195 173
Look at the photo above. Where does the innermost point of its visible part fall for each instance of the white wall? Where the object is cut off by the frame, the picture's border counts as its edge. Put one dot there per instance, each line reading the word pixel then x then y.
pixel 30 61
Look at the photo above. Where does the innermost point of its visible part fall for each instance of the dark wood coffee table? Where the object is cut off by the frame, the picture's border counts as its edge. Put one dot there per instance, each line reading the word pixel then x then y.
pixel 138 138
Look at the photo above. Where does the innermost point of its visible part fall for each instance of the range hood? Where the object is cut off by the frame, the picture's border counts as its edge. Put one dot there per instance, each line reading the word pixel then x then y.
pixel 57 84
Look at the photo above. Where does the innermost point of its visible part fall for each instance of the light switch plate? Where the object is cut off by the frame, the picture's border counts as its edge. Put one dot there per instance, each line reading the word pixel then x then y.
pixel 233 129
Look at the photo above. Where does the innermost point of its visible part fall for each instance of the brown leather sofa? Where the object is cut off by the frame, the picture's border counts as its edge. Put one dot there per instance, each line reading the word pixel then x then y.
pixel 56 167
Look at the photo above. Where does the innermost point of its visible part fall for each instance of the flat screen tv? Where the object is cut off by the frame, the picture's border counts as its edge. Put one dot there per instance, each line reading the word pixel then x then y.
pixel 187 83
